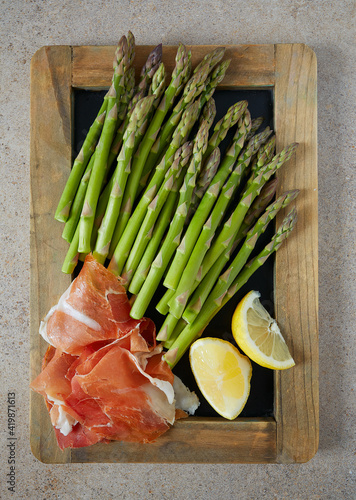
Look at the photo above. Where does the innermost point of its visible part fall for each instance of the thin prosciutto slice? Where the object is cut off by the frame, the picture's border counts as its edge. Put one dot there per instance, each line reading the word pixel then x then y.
pixel 107 394
pixel 94 308
pixel 103 377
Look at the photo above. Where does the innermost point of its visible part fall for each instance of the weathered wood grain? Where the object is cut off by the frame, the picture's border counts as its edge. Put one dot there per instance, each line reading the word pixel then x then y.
pixel 251 65
pixel 296 280
pixel 50 164
pixel 195 440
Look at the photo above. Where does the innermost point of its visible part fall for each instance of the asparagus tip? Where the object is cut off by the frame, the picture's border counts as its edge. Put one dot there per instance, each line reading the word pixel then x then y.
pixel 112 91
pixel 101 118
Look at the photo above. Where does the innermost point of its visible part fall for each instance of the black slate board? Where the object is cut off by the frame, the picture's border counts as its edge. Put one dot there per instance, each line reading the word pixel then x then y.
pixel 260 402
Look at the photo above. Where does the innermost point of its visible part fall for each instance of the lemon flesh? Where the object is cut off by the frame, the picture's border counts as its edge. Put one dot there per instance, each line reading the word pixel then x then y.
pixel 223 375
pixel 258 334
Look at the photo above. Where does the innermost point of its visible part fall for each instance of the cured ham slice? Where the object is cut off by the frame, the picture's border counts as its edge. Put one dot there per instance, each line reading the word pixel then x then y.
pixel 103 376
pixel 105 394
pixel 95 307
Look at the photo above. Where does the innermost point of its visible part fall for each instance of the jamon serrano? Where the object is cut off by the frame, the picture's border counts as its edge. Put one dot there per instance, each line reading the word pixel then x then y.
pixel 103 377
pixel 105 394
pixel 95 307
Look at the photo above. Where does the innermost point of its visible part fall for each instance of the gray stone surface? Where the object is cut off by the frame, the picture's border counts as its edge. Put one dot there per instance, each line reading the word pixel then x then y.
pixel 329 29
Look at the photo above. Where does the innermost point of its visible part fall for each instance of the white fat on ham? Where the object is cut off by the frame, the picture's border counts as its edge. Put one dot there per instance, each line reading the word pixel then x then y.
pixel 110 291
pixel 63 306
pixel 185 399
pixel 163 385
pixel 61 419
pixel 43 325
pixel 159 403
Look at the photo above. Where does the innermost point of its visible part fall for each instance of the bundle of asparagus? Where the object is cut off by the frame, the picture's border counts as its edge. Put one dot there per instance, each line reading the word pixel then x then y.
pixel 161 204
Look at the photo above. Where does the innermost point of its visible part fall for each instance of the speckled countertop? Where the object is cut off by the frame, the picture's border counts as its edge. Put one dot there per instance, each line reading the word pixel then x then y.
pixel 329 29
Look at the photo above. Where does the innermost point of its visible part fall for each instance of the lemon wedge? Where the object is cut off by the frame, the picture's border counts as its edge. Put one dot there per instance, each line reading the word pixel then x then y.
pixel 222 373
pixel 258 334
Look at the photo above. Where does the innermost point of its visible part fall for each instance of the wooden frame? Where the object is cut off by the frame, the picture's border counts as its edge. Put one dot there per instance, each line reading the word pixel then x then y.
pixel 292 435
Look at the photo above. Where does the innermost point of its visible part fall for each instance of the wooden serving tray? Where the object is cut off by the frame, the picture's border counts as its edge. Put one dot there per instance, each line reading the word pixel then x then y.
pixel 292 434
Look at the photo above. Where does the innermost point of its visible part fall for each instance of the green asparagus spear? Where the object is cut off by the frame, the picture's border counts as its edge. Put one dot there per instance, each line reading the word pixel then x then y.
pixel 168 342
pixel 169 325
pixel 79 165
pixel 127 95
pixel 192 90
pixel 213 80
pixel 127 99
pixel 121 66
pixel 150 67
pixel 211 59
pixel 202 292
pixel 117 142
pixel 208 112
pixel 172 239
pixel 120 176
pixel 223 126
pixel 120 52
pixel 258 206
pixel 264 155
pixel 163 221
pixel 255 125
pixel 207 278
pixel 120 247
pixel 146 229
pixel 72 256
pixel 238 141
pixel 206 176
pixel 179 263
pixel 97 175
pixel 131 46
pixel 77 205
pixel 155 242
pixel 157 86
pixel 232 226
pixel 179 76
pixel 214 303
pixel 187 267
pixel 104 197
